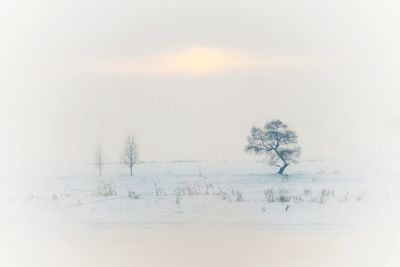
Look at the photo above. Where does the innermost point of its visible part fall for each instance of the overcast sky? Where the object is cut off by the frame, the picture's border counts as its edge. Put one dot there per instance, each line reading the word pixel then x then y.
pixel 190 78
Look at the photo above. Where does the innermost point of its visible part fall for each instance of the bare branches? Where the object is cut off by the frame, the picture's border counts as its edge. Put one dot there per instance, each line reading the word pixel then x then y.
pixel 131 153
pixel 99 159
pixel 277 141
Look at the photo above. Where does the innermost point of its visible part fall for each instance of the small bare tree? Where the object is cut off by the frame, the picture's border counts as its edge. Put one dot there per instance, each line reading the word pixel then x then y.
pixel 277 141
pixel 131 153
pixel 99 159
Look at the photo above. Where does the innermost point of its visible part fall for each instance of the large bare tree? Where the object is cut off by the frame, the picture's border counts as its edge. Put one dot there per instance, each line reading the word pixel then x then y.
pixel 99 159
pixel 277 141
pixel 130 153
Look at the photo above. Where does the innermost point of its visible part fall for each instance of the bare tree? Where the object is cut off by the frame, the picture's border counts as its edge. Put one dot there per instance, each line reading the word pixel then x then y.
pixel 99 159
pixel 277 141
pixel 131 153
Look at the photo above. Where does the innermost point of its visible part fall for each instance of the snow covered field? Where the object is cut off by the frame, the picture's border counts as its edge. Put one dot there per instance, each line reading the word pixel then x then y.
pixel 325 213
pixel 204 193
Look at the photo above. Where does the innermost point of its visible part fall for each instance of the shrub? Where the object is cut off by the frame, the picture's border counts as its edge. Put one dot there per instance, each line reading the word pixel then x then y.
pixel 237 195
pixel 360 196
pixel 284 195
pixel 209 189
pixel 133 195
pixel 298 199
pixel 325 194
pixel 106 189
pixel 222 195
pixel 269 195
pixel 160 192
pixel 178 198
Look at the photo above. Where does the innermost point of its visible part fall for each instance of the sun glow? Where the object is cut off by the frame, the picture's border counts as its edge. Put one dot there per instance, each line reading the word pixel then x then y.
pixel 191 61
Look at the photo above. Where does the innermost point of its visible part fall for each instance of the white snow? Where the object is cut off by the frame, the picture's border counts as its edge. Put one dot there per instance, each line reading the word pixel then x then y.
pixel 226 214
pixel 313 193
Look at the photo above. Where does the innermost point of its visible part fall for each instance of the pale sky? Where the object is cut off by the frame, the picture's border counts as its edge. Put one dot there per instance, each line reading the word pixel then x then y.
pixel 190 78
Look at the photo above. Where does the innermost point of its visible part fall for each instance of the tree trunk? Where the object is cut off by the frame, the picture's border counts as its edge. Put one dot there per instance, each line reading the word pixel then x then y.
pixel 130 169
pixel 282 169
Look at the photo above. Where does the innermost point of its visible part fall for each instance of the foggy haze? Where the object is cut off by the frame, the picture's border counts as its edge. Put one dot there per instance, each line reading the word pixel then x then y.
pixel 190 80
